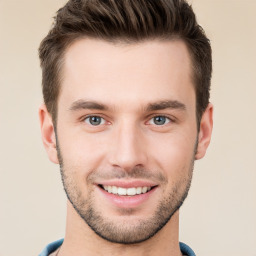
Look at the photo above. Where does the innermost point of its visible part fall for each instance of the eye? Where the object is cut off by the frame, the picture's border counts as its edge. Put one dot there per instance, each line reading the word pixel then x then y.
pixel 95 120
pixel 159 120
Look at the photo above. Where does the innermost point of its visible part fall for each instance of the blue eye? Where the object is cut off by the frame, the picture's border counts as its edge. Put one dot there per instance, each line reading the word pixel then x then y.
pixel 95 120
pixel 159 120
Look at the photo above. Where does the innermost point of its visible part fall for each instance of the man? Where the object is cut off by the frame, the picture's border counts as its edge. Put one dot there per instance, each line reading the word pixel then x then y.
pixel 126 90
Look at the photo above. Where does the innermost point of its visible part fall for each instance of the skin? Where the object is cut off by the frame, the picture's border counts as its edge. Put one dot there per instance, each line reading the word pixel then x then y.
pixel 125 85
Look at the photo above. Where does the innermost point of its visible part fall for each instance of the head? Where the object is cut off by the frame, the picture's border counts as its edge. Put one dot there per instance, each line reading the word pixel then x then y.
pixel 126 22
pixel 126 89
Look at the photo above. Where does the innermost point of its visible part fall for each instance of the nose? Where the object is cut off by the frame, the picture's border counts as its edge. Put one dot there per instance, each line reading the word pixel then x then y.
pixel 127 149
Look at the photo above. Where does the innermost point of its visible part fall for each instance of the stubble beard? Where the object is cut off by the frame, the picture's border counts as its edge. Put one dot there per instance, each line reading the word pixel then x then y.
pixel 125 231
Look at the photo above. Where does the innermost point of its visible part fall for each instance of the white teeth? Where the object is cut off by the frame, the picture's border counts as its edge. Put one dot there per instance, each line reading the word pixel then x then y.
pixel 138 190
pixel 144 190
pixel 126 191
pixel 131 191
pixel 122 191
pixel 114 190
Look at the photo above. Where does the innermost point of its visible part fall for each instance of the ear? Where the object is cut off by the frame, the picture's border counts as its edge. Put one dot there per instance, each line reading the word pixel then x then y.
pixel 204 136
pixel 48 134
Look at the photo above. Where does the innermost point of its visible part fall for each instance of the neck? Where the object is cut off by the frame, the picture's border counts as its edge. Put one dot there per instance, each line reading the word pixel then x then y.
pixel 80 240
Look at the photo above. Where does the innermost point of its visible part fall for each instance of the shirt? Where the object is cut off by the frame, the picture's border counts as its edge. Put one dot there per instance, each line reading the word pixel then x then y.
pixel 52 247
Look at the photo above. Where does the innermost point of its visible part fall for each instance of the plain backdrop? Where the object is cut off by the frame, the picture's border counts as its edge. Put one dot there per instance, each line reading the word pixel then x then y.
pixel 219 216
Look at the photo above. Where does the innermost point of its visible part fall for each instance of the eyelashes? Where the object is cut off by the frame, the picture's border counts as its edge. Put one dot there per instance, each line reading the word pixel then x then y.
pixel 159 120
pixel 97 120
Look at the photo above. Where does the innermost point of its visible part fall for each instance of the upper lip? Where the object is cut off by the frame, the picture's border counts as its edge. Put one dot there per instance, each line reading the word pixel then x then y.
pixel 127 184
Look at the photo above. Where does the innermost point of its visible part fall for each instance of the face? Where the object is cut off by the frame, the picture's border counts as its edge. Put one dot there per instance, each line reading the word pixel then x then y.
pixel 126 135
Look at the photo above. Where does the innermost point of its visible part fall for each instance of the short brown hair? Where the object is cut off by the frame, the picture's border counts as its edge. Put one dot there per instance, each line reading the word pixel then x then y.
pixel 128 21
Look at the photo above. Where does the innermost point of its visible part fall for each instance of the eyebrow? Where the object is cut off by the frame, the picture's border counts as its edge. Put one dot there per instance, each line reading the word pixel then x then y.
pixel 159 105
pixel 166 104
pixel 83 104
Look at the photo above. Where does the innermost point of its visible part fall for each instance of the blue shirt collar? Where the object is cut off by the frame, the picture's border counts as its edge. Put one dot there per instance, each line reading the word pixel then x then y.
pixel 185 249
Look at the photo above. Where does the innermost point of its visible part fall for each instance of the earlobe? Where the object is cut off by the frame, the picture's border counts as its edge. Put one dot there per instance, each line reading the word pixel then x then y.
pixel 204 136
pixel 48 134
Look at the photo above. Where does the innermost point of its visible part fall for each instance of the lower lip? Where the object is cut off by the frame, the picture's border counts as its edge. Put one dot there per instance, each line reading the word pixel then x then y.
pixel 127 201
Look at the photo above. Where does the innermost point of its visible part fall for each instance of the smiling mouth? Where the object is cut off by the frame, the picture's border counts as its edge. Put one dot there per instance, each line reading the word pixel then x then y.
pixel 126 191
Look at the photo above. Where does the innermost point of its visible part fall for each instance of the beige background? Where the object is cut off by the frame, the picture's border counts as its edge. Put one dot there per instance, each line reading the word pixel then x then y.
pixel 219 216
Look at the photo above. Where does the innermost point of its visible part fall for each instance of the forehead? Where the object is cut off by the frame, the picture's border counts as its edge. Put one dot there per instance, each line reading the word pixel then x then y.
pixel 121 72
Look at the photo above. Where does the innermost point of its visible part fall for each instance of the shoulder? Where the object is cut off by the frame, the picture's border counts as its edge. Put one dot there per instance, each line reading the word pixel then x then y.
pixel 51 248
pixel 186 250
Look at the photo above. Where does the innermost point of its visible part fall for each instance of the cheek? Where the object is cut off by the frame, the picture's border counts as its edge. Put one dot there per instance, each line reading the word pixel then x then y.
pixel 81 151
pixel 173 153
pixel 175 159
